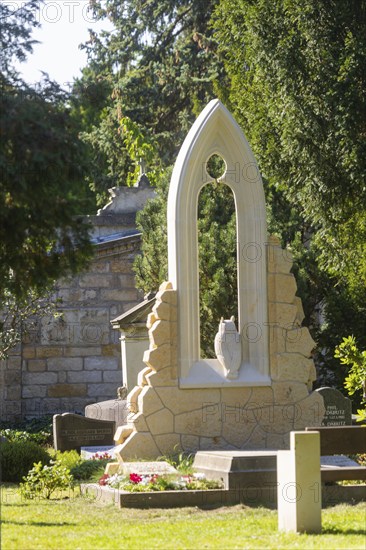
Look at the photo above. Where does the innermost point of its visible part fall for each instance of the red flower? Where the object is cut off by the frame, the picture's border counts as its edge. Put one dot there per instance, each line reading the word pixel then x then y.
pixel 135 478
pixel 103 479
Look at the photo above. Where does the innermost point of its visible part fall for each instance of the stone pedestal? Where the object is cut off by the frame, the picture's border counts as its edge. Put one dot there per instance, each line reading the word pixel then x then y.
pixel 299 484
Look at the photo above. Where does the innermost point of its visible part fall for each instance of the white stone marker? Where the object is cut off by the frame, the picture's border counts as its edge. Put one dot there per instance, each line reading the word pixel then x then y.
pixel 299 484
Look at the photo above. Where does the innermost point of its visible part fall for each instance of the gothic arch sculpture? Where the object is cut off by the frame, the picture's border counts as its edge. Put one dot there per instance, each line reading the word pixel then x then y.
pixel 216 132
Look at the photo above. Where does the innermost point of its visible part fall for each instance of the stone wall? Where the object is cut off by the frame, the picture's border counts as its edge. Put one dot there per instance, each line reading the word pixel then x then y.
pixel 165 418
pixel 65 364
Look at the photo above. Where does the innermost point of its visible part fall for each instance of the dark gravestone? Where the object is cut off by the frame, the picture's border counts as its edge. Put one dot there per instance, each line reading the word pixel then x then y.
pixel 338 408
pixel 72 431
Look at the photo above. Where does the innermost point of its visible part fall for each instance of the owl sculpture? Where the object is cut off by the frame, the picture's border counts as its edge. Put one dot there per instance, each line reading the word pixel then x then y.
pixel 228 347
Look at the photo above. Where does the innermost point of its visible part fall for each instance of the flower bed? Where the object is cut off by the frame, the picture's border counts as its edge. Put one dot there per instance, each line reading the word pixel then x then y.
pixel 137 483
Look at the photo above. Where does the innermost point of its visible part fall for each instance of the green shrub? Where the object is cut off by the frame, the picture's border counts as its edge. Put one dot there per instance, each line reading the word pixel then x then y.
pixel 42 481
pixel 88 469
pixel 18 457
pixel 38 430
pixel 68 459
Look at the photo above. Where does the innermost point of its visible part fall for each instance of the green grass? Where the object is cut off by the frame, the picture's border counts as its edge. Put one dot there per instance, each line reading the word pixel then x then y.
pixel 79 523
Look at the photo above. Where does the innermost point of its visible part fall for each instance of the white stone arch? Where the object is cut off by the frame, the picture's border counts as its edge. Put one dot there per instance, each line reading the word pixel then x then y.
pixel 215 131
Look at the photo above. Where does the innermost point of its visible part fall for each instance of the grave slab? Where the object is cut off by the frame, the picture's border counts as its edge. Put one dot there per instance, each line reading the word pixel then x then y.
pixel 88 452
pixel 338 408
pixel 148 468
pixel 73 431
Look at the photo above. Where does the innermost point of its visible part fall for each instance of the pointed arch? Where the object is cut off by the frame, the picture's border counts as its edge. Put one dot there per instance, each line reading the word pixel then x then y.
pixel 216 132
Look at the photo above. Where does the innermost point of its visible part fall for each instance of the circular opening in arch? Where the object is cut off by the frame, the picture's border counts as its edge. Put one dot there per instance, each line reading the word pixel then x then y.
pixel 215 166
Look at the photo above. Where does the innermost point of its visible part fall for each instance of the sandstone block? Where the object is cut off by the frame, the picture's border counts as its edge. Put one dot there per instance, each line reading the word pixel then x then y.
pixel 166 285
pixel 161 357
pixel 162 310
pixel 161 422
pixel 114 376
pixel 141 377
pixel 164 377
pixel 180 401
pixel 132 399
pixel 288 392
pixel 45 352
pixel 150 320
pixel 122 433
pixel 29 352
pixel 190 442
pixel 194 423
pixel 138 445
pixel 139 422
pixel 149 401
pixel 110 350
pixel 84 377
pixel 160 333
pixel 168 444
pixel 282 314
pixel 83 351
pixel 12 377
pixel 64 363
pixel 279 260
pixel 312 411
pixel 39 378
pixel 293 366
pixel 34 391
pixel 14 393
pixel 214 444
pixel 101 363
pixel 299 340
pixel 168 296
pixel 300 315
pixel 67 390
pixel 100 391
pixel 36 365
pixel 277 339
pixel 281 288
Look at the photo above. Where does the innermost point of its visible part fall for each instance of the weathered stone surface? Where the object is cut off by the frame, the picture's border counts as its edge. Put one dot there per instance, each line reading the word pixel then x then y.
pixel 161 357
pixel 65 363
pixel 282 314
pixel 281 288
pixel 113 376
pixel 311 413
pixel 289 392
pixel 190 442
pixel 122 433
pixel 168 296
pixel 45 352
pixel 161 422
pixel 148 468
pixel 299 341
pixel 293 366
pixel 84 351
pixel 141 377
pixel 277 339
pixel 163 311
pixel 138 445
pixel 35 378
pixel 100 391
pixel 66 390
pixel 166 285
pixel 36 365
pixel 29 352
pixel 160 333
pixel 279 260
pixel 168 443
pixel 29 392
pixel 300 315
pixel 101 363
pixel 179 401
pixel 148 401
pixel 192 423
pixel 83 376
pixel 132 399
pixel 139 422
pixel 150 320
pixel 163 377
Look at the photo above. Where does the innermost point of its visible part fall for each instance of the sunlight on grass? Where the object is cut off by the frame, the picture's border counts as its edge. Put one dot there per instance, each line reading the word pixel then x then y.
pixel 78 523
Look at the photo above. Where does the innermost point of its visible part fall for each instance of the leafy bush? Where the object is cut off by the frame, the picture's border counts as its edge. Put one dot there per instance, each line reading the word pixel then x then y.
pixel 42 481
pixel 88 469
pixel 68 459
pixel 18 457
pixel 38 430
pixel 349 354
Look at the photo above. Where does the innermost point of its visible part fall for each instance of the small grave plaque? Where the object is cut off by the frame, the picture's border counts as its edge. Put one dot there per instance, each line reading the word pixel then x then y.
pixel 338 408
pixel 148 468
pixel 72 431
pixel 90 452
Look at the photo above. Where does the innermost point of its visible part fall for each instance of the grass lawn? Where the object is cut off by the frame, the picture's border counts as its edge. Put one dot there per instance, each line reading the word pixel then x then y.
pixel 80 523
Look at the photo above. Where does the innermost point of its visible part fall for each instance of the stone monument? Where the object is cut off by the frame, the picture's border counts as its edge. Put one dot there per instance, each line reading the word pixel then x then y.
pixel 338 408
pixel 183 401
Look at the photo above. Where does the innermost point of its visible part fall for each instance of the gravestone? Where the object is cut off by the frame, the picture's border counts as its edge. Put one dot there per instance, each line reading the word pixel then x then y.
pixel 148 468
pixel 338 408
pixel 72 431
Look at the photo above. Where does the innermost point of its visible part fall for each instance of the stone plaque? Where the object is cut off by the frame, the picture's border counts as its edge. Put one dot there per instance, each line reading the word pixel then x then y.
pixel 88 452
pixel 148 468
pixel 338 408
pixel 73 431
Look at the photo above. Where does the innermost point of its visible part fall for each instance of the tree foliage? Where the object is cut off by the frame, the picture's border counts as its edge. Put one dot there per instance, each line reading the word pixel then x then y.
pixel 298 72
pixel 42 166
pixel 157 68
